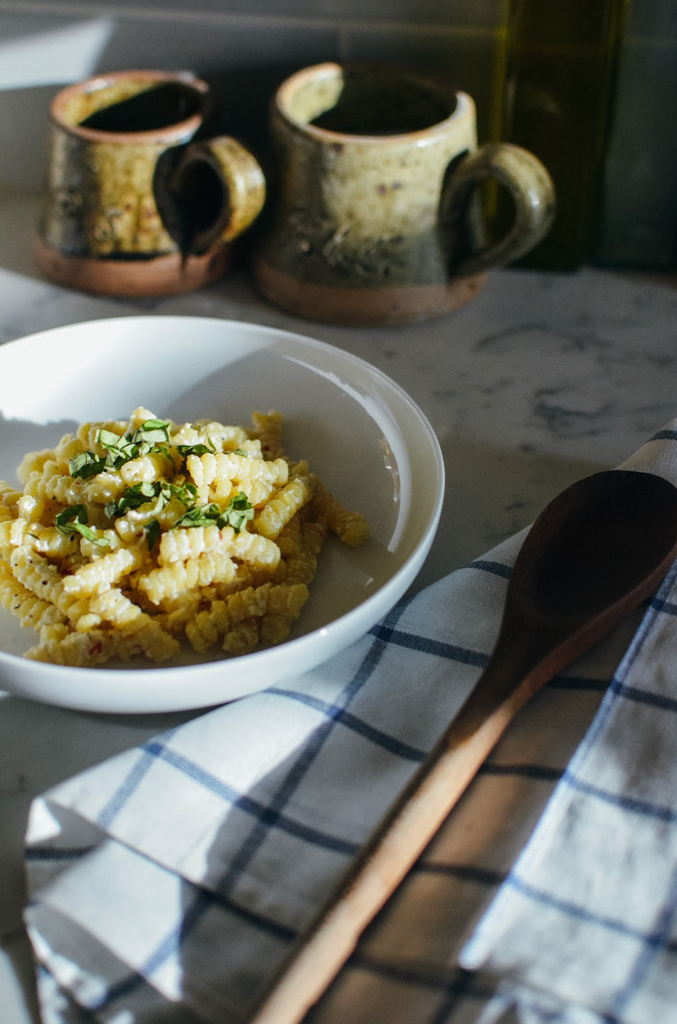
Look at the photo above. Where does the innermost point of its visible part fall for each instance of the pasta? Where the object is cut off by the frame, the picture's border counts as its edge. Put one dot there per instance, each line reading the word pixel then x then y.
pixel 132 538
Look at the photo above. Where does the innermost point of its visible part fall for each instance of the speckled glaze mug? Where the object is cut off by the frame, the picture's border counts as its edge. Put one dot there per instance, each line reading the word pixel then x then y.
pixel 138 202
pixel 375 218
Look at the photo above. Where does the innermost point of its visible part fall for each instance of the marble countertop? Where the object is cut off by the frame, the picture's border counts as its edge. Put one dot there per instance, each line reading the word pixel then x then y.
pixel 540 380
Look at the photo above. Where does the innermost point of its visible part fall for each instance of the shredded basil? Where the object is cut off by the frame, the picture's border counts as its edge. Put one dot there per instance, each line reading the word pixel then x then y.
pixel 238 511
pixel 186 493
pixel 201 515
pixel 236 514
pixel 86 464
pixel 74 520
pixel 142 493
pixel 152 430
pixel 151 436
pixel 202 448
pixel 121 449
pixel 132 497
pixel 153 531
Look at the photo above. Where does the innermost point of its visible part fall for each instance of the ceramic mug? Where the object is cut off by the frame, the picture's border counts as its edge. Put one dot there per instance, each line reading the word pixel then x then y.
pixel 138 202
pixel 375 218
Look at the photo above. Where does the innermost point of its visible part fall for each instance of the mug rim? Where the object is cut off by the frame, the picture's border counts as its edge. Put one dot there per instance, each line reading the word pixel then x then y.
pixel 173 132
pixel 463 108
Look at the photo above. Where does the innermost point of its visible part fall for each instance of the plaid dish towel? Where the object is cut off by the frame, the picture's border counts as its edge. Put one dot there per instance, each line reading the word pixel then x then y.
pixel 169 883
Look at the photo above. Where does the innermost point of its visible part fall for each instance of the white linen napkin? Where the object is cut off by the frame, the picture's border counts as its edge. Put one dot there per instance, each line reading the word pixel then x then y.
pixel 168 883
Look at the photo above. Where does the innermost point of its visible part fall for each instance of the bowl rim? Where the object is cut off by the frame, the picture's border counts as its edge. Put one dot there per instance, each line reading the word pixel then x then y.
pixel 155 677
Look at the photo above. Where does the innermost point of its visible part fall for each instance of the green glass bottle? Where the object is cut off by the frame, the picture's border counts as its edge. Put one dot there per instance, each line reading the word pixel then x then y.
pixel 558 87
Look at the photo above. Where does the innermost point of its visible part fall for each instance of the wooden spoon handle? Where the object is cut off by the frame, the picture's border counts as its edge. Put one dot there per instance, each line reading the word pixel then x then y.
pixel 415 819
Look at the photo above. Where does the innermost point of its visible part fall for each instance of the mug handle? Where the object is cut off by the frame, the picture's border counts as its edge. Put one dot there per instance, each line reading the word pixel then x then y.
pixel 532 192
pixel 237 203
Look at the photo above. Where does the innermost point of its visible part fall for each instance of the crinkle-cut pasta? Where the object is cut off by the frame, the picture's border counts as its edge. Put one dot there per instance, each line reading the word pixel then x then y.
pixel 250 446
pixel 244 577
pixel 31 610
pixel 211 623
pixel 101 489
pixel 113 606
pixel 5 537
pixel 289 538
pixel 302 566
pixel 288 501
pixel 285 602
pixel 33 462
pixel 178 613
pixel 255 551
pixel 351 527
pixel 30 507
pixel 76 650
pixel 131 527
pixel 258 492
pixel 227 435
pixel 268 430
pixel 189 434
pixel 242 638
pixel 222 468
pixel 46 540
pixel 91 551
pixel 98 646
pixel 68 447
pixel 139 416
pixel 105 570
pixel 9 501
pixel 9 495
pixel 18 530
pixel 167 581
pixel 179 545
pixel 50 483
pixel 145 469
pixel 87 432
pixel 39 576
pixel 205 469
pixel 132 537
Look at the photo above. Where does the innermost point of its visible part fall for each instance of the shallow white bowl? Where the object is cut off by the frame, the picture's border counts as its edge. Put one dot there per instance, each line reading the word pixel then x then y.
pixel 360 432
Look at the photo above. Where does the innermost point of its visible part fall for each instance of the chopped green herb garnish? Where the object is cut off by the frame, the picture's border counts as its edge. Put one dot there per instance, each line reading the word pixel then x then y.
pixel 142 493
pixel 161 426
pixel 74 520
pixel 238 451
pixel 151 432
pixel 119 449
pixel 238 511
pixel 152 435
pixel 153 530
pixel 163 449
pixel 186 493
pixel 132 497
pixel 236 514
pixel 201 448
pixel 201 515
pixel 192 449
pixel 86 464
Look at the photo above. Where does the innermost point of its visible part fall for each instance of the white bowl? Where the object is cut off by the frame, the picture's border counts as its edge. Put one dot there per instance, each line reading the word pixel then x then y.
pixel 360 432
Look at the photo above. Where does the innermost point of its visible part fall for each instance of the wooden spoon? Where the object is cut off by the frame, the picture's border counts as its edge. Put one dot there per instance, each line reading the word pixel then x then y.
pixel 592 556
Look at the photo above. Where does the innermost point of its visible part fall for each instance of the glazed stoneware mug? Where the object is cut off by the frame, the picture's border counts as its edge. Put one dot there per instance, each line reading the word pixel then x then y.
pixel 375 217
pixel 138 201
